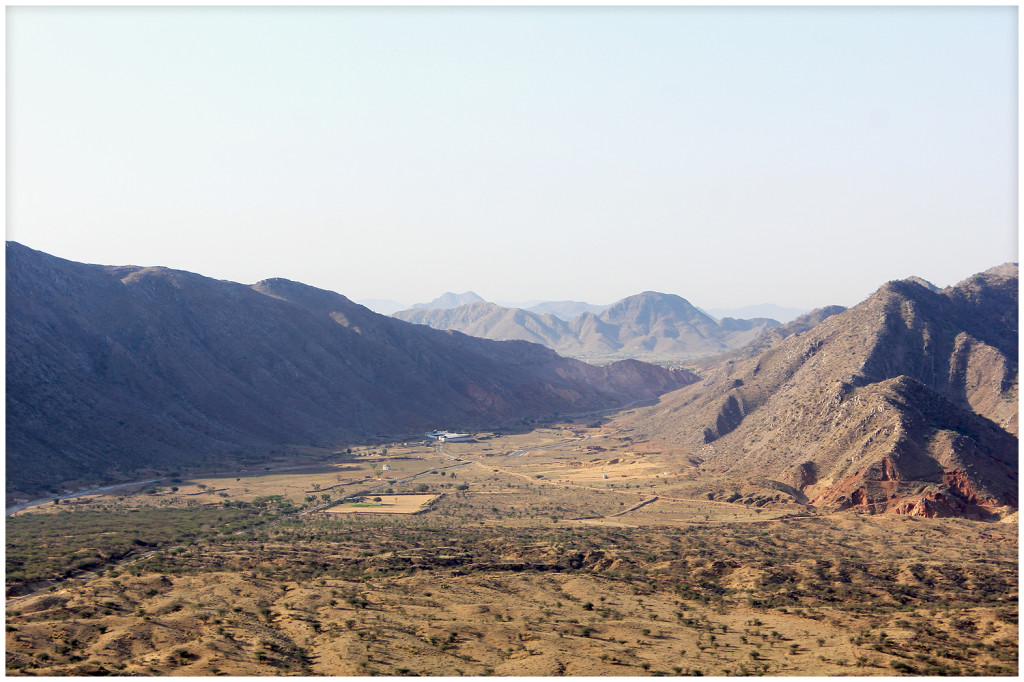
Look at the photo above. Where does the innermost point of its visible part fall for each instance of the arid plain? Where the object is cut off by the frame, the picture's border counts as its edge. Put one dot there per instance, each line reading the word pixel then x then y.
pixel 569 550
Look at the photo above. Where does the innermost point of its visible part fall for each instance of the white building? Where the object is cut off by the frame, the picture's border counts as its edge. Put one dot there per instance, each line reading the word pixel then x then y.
pixel 448 436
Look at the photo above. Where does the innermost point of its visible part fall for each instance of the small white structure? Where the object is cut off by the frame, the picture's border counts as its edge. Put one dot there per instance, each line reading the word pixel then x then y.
pixel 386 467
pixel 448 436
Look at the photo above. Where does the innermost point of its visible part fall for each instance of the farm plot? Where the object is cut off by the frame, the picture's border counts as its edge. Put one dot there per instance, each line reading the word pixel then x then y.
pixel 387 504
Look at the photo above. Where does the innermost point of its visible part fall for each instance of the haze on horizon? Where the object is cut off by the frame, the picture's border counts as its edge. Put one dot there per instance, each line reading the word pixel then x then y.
pixel 800 156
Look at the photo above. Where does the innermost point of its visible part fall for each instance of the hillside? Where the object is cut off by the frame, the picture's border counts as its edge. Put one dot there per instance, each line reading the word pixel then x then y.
pixel 905 403
pixel 112 370
pixel 647 326
pixel 799 325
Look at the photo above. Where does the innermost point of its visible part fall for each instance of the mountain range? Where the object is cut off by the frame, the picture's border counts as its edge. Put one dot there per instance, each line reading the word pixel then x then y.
pixel 649 325
pixel 905 403
pixel 565 310
pixel 114 369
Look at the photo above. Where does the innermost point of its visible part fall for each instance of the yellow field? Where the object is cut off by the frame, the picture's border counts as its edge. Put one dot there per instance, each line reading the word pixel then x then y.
pixel 389 504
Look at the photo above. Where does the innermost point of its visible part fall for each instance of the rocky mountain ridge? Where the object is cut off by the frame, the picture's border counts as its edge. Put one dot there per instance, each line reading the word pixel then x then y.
pixel 905 403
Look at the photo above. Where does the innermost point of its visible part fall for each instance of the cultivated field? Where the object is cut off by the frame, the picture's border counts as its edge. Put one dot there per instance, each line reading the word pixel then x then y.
pixel 388 504
pixel 563 551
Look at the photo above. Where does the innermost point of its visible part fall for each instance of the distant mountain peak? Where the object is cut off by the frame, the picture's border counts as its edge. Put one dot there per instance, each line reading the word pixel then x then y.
pixel 449 300
pixel 647 325
pixel 638 307
pixel 923 282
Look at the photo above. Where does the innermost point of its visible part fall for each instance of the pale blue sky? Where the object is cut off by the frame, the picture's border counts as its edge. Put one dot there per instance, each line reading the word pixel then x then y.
pixel 801 156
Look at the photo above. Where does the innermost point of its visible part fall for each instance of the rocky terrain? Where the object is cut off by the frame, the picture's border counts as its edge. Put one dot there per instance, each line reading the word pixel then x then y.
pixel 647 326
pixel 906 403
pixel 113 370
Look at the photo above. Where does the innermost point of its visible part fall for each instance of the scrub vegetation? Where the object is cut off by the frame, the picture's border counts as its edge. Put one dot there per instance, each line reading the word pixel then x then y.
pixel 526 563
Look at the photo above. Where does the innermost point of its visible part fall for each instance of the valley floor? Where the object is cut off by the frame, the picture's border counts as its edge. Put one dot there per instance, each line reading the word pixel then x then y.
pixel 591 557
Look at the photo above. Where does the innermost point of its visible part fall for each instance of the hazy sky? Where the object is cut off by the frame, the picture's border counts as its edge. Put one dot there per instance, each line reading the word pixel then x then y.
pixel 800 156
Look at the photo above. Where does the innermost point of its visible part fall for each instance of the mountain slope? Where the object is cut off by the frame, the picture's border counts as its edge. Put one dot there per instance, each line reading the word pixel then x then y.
pixel 114 369
pixel 906 403
pixel 799 325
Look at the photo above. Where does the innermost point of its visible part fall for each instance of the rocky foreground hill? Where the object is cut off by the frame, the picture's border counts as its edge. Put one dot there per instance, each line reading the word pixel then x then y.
pixel 649 325
pixel 114 369
pixel 906 403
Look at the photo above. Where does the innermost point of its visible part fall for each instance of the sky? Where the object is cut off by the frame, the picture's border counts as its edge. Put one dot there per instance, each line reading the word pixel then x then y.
pixel 801 156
